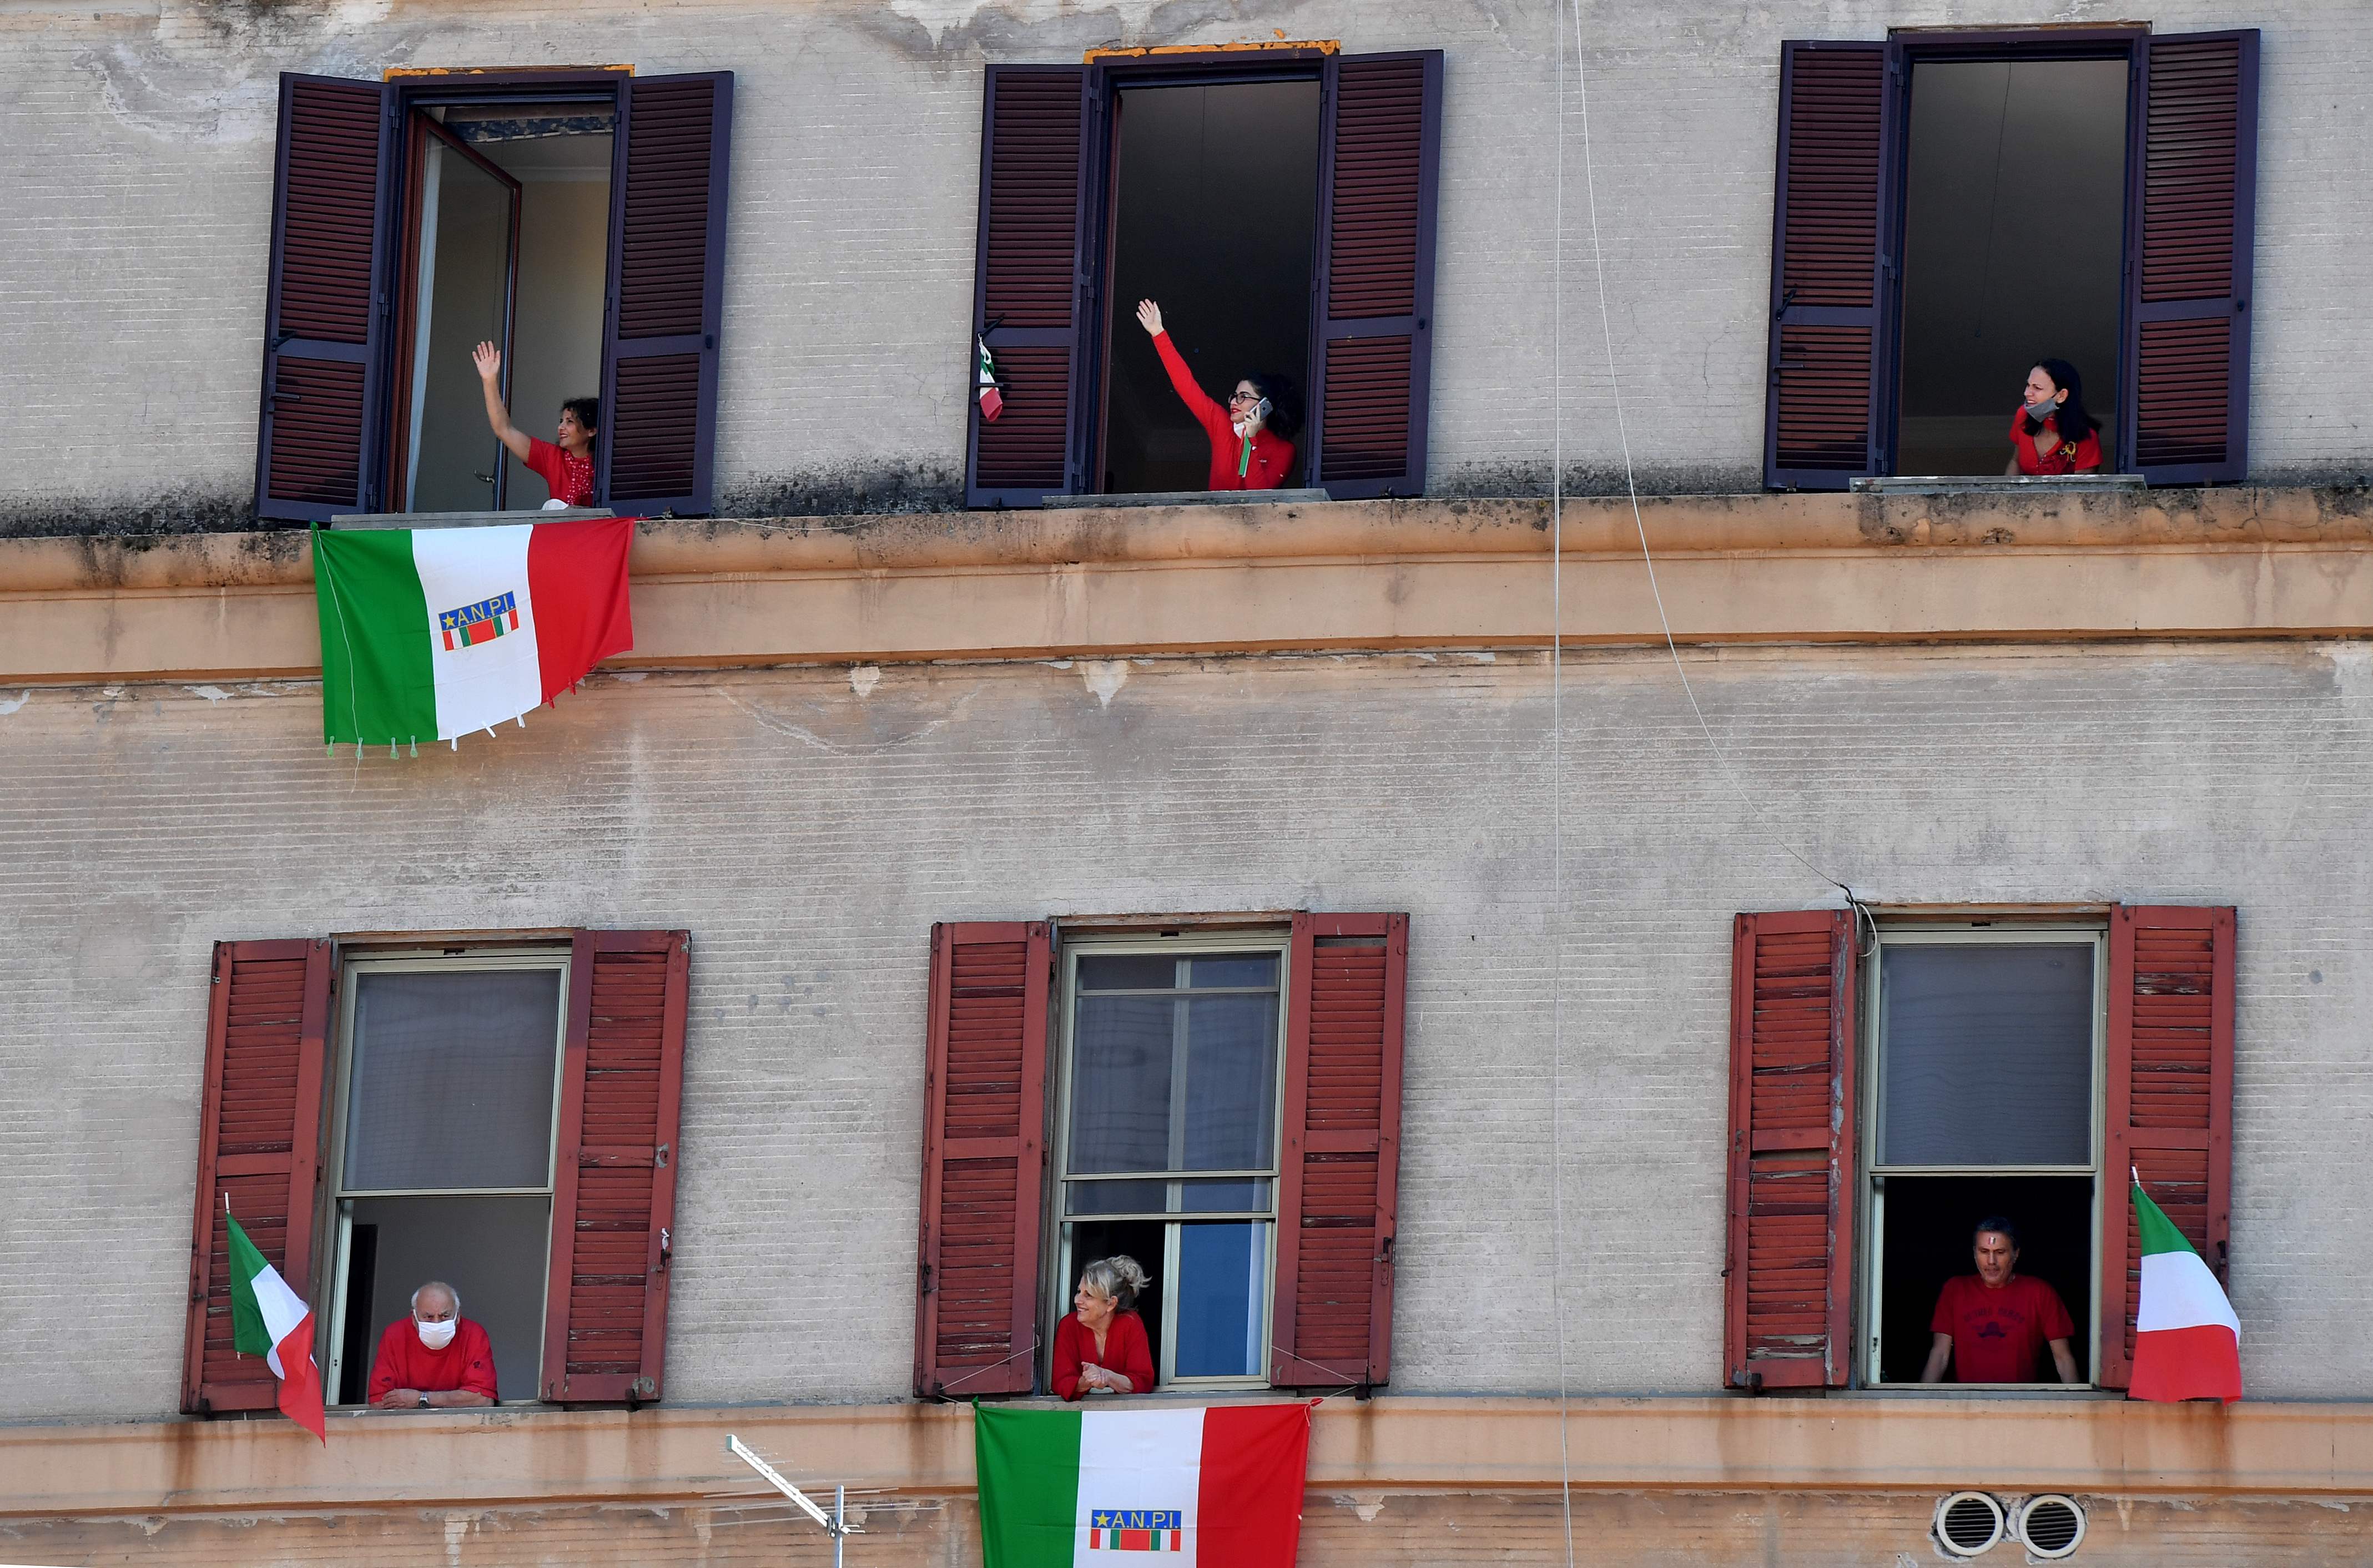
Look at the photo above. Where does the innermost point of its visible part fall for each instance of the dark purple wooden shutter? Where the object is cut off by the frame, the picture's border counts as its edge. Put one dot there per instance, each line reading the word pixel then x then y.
pixel 2188 310
pixel 1375 293
pixel 323 329
pixel 667 291
pixel 1828 268
pixel 1029 286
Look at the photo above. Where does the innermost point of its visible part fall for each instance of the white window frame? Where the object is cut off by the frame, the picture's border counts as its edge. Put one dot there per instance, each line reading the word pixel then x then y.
pixel 330 1348
pixel 1872 1176
pixel 1060 1271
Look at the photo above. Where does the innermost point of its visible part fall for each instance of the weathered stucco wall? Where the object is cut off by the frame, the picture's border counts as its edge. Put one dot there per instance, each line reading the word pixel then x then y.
pixel 808 825
pixel 137 145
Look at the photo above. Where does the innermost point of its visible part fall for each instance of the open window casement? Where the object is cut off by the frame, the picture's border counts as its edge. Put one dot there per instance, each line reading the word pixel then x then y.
pixel 276 1064
pixel 1047 310
pixel 2154 309
pixel 352 289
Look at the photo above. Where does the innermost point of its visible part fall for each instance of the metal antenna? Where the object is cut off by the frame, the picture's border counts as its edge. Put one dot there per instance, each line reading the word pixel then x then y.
pixel 836 1524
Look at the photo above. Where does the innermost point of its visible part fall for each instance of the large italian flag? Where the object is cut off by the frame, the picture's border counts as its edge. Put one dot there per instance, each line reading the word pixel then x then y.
pixel 430 633
pixel 2187 1339
pixel 1094 1488
pixel 268 1320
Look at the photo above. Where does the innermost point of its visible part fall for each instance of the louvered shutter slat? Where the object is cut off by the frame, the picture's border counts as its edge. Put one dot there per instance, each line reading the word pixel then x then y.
pixel 323 333
pixel 1825 287
pixel 2188 351
pixel 259 1143
pixel 1376 242
pixel 1791 1160
pixel 1338 1163
pixel 2170 1094
pixel 984 1159
pixel 659 412
pixel 1029 280
pixel 614 1173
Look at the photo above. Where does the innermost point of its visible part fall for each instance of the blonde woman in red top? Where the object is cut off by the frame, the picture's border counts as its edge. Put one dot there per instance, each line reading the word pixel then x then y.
pixel 1100 1345
pixel 566 468
pixel 2052 433
pixel 1249 448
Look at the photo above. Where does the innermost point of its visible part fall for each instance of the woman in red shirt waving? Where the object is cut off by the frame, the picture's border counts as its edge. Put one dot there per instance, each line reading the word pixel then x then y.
pixel 1249 448
pixel 2052 433
pixel 567 469
pixel 1100 1346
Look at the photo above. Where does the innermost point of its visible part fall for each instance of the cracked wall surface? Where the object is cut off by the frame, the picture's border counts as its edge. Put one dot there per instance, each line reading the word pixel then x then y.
pixel 137 145
pixel 808 825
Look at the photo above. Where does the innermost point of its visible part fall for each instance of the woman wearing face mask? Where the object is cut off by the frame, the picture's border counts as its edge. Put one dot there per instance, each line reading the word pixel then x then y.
pixel 1250 449
pixel 2052 433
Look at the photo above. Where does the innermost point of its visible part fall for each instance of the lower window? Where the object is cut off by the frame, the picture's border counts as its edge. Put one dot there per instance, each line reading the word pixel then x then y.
pixel 1167 1138
pixel 1986 1103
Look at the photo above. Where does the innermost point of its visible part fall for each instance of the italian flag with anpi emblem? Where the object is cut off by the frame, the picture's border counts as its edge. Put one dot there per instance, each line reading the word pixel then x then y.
pixel 2187 1339
pixel 268 1320
pixel 1097 1487
pixel 430 633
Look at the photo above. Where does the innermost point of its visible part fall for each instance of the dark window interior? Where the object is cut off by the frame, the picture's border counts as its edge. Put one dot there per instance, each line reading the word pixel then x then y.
pixel 1929 1237
pixel 2013 223
pixel 1214 215
pixel 1141 1239
pixel 507 239
pixel 357 1344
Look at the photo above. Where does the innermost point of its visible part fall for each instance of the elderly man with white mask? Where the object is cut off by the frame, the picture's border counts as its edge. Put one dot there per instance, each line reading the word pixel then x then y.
pixel 436 1359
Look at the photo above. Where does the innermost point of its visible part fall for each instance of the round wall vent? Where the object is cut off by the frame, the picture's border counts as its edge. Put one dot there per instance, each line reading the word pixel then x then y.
pixel 2052 1526
pixel 1968 1523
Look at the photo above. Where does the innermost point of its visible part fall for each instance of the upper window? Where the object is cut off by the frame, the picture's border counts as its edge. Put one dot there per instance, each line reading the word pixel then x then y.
pixel 574 220
pixel 1169 1109
pixel 1308 288
pixel 1954 210
pixel 503 1120
pixel 1222 1107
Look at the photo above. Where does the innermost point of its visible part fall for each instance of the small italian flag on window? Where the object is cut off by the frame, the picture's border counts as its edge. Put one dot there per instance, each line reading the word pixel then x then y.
pixel 2187 1339
pixel 992 401
pixel 1105 1487
pixel 268 1320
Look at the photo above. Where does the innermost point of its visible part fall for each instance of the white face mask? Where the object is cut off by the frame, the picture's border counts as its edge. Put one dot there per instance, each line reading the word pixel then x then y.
pixel 436 1336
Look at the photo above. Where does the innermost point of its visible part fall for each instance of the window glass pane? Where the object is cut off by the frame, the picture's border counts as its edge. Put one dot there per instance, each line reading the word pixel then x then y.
pixel 450 1081
pixel 1237 969
pixel 1127 972
pixel 1223 1197
pixel 1120 1083
pixel 1117 1197
pixel 1230 1118
pixel 1223 1281
pixel 1986 1055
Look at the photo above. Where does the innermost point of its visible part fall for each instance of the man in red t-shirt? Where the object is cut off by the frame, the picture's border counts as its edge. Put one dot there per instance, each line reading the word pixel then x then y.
pixel 436 1359
pixel 1990 1324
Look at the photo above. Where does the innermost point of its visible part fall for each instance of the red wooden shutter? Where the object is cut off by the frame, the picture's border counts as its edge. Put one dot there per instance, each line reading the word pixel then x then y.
pixel 2170 1099
pixel 1828 268
pixel 1339 1167
pixel 1374 292
pixel 614 1174
pixel 657 449
pixel 1030 289
pixel 2187 354
pixel 984 1159
pixel 1790 1279
pixel 260 1144
pixel 325 327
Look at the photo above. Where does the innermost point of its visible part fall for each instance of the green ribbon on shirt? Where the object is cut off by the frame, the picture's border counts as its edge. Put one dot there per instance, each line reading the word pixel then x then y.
pixel 1245 459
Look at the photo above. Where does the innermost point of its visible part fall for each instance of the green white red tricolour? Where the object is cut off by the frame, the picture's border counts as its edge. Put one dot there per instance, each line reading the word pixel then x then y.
pixel 430 633
pixel 2187 1339
pixel 268 1320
